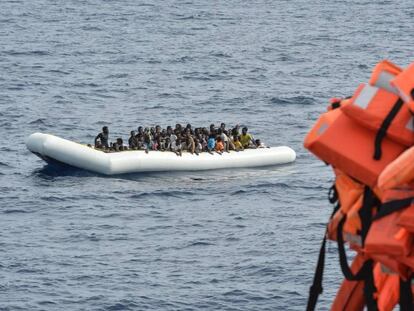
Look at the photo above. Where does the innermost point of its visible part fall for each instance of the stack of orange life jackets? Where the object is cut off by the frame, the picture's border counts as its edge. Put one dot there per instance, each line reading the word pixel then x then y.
pixel 368 139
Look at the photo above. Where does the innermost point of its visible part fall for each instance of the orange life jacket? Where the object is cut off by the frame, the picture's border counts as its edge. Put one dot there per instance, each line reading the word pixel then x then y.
pixel 348 146
pixel 371 105
pixel 387 242
pixel 348 190
pixel 404 83
pixel 382 75
pixel 386 237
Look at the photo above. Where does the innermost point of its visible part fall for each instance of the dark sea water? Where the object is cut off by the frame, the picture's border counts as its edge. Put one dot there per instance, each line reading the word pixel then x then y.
pixel 241 239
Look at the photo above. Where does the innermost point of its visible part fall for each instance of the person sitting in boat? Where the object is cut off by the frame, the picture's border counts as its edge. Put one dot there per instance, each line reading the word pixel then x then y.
pixel 211 143
pixel 140 138
pixel 101 140
pixel 132 141
pixel 259 144
pixel 190 144
pixel 119 145
pixel 235 131
pixel 157 138
pixel 219 146
pixel 231 140
pixel 147 140
pixel 178 129
pixel 197 146
pixel 189 129
pixel 228 144
pixel 223 127
pixel 162 140
pixel 246 139
pixel 167 144
pixel 202 140
pixel 171 139
pixel 176 147
pixel 237 144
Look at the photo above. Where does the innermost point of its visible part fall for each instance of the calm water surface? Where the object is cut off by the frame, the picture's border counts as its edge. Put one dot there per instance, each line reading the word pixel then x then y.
pixel 241 239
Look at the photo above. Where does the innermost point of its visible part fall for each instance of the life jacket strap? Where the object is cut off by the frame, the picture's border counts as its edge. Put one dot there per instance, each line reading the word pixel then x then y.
pixel 406 295
pixel 316 288
pixel 388 208
pixel 365 213
pixel 369 288
pixel 382 131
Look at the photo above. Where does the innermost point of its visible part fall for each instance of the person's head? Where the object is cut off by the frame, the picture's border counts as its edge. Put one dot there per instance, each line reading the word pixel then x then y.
pixel 223 126
pixel 178 141
pixel 146 130
pixel 163 132
pixel 105 130
pixel 218 139
pixel 244 130
pixel 212 126
pixel 257 142
pixel 140 129
pixel 152 130
pixel 178 126
pixel 119 141
pixel 188 126
pixel 132 133
pixel 236 138
pixel 158 129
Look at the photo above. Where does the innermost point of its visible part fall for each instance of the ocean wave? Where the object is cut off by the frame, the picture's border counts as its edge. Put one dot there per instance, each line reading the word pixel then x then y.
pixel 15 211
pixel 296 100
pixel 162 193
pixel 40 121
pixel 26 53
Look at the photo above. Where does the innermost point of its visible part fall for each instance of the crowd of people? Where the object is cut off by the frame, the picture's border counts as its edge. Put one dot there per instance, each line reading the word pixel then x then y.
pixel 179 139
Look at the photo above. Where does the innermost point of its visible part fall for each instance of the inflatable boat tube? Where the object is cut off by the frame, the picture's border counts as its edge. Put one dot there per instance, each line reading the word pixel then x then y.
pixel 55 149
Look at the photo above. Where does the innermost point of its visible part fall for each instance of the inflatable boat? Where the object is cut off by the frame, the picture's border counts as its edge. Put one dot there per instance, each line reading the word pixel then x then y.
pixel 55 149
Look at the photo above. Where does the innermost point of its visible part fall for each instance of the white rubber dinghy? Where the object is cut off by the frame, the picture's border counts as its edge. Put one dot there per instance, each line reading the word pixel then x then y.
pixel 52 148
